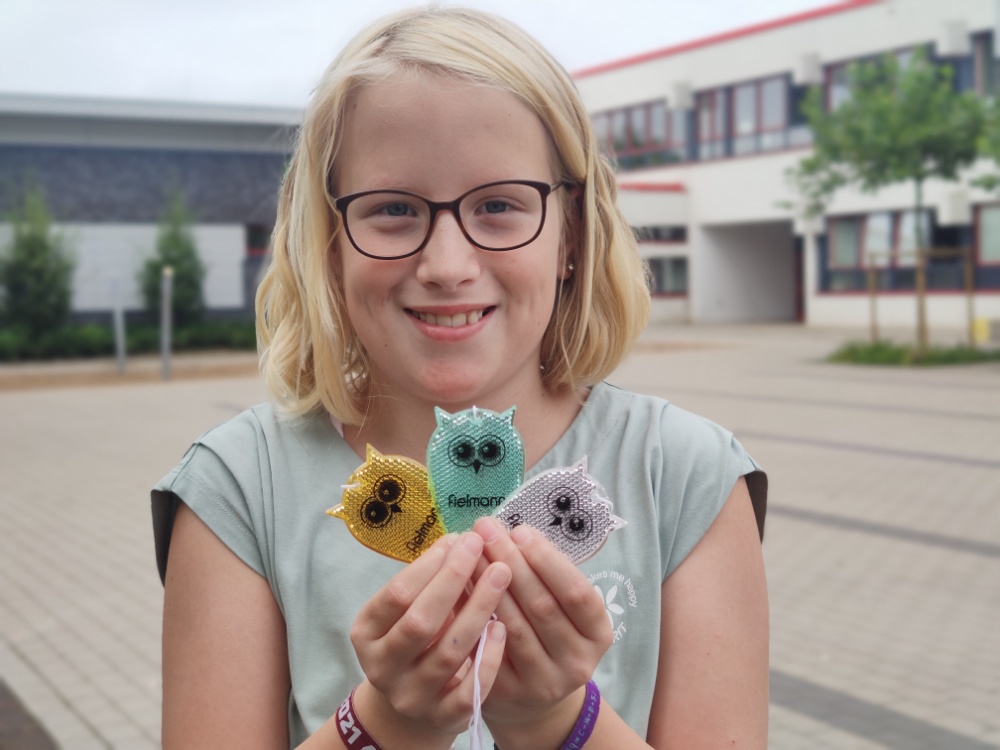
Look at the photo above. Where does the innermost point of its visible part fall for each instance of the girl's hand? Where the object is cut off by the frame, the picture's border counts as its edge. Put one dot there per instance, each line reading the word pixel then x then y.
pixel 557 632
pixel 415 639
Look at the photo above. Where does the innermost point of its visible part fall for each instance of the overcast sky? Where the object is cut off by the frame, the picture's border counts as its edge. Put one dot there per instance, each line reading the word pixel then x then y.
pixel 272 52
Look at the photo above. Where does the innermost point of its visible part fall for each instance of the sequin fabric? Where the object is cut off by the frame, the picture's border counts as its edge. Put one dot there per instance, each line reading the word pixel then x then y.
pixel 387 506
pixel 567 505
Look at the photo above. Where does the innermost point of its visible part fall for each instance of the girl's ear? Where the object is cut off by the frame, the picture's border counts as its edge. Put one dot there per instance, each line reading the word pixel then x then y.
pixel 573 218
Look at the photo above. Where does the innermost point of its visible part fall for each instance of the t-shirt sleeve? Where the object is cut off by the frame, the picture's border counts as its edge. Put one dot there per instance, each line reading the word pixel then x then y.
pixel 206 482
pixel 701 463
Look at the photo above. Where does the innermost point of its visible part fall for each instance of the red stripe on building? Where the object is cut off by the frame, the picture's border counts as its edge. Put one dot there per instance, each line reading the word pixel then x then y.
pixel 809 15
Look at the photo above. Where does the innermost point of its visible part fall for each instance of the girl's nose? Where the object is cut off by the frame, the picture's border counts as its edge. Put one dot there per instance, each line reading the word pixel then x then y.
pixel 448 260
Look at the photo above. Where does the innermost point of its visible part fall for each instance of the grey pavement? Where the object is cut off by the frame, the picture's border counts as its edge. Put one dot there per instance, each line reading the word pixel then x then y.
pixel 882 543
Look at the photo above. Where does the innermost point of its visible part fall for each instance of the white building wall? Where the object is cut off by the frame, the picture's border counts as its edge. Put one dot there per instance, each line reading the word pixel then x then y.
pixel 834 37
pixel 743 274
pixel 110 254
pixel 945 312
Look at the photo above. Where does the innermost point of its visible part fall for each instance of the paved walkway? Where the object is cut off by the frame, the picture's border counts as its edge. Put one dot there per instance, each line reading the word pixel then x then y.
pixel 882 546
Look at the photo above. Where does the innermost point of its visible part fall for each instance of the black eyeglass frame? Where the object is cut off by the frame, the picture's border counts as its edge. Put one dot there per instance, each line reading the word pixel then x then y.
pixel 544 189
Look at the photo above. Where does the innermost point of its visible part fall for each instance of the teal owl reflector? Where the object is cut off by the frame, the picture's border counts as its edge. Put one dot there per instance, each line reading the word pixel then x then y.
pixel 475 468
pixel 475 460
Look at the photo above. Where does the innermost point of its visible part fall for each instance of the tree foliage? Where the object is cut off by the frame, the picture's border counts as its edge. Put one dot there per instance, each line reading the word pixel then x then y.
pixel 36 269
pixel 900 123
pixel 176 248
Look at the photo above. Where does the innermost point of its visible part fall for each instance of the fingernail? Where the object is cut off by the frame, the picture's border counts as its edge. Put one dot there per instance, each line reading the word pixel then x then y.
pixel 448 540
pixel 472 542
pixel 498 632
pixel 489 530
pixel 499 577
pixel 521 534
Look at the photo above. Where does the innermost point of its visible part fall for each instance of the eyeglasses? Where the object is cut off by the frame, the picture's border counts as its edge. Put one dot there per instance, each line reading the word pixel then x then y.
pixel 392 224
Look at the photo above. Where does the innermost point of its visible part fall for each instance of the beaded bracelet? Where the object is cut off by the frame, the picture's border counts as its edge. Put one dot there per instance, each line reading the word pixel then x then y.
pixel 588 719
pixel 351 731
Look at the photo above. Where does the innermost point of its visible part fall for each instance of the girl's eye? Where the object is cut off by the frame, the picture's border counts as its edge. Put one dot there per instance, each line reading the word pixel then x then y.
pixel 496 207
pixel 396 209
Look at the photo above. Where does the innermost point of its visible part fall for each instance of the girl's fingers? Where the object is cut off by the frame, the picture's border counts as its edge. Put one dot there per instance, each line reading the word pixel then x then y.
pixel 549 590
pixel 576 596
pixel 384 609
pixel 456 645
pixel 421 623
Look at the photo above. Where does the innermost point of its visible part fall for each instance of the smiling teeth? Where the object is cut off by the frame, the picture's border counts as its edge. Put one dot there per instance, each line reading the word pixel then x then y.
pixel 450 321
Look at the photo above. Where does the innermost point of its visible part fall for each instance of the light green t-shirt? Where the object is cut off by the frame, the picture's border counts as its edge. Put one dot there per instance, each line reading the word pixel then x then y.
pixel 263 485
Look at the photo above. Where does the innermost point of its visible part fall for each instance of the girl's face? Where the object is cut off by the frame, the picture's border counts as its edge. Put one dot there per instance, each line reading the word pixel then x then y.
pixel 452 325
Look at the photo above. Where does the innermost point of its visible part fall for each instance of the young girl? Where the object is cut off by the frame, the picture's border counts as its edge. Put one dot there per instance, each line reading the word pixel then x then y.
pixel 447 236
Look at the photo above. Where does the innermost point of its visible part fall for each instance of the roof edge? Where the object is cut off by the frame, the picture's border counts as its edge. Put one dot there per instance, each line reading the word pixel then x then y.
pixel 146 109
pixel 725 36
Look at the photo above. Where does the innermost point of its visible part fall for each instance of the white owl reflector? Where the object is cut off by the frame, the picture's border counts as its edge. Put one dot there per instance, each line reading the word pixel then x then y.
pixel 568 506
pixel 475 461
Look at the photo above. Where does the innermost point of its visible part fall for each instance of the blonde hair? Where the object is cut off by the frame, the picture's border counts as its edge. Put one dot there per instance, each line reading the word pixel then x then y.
pixel 311 358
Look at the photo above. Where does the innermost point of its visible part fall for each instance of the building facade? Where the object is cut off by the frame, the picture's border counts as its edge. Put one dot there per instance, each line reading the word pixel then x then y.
pixel 704 132
pixel 107 168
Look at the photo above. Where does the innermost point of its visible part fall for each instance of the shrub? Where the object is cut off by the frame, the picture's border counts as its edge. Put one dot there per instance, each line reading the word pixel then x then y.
pixel 36 269
pixel 888 353
pixel 175 247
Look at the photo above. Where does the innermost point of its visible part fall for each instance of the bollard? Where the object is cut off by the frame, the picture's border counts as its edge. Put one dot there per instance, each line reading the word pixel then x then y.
pixel 118 319
pixel 166 294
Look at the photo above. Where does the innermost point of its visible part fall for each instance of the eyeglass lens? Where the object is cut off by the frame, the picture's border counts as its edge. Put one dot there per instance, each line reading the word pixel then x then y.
pixel 496 217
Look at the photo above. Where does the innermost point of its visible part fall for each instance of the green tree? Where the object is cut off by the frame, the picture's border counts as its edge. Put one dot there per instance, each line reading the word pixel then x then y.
pixel 36 269
pixel 903 122
pixel 175 247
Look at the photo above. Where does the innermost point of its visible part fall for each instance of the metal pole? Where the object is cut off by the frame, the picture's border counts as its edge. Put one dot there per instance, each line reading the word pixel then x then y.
pixel 970 294
pixel 118 317
pixel 166 293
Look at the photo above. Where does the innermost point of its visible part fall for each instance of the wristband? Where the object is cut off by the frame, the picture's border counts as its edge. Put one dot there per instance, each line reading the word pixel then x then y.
pixel 588 719
pixel 354 735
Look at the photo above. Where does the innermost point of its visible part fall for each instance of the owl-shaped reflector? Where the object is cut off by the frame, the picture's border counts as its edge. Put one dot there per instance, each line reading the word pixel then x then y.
pixel 387 506
pixel 568 506
pixel 475 459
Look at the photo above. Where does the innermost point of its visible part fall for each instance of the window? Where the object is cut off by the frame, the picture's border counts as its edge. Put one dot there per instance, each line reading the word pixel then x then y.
pixel 838 89
pixel 760 114
pixel 989 234
pixel 845 242
pixel 643 134
pixel 712 117
pixel 984 63
pixel 660 234
pixel 668 275
pixel 907 238
pixel 878 240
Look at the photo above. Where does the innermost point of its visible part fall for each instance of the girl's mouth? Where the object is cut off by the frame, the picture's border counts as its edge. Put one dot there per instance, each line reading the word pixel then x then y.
pixel 452 321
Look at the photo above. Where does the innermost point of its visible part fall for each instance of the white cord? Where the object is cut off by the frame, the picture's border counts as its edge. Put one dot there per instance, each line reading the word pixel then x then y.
pixel 476 722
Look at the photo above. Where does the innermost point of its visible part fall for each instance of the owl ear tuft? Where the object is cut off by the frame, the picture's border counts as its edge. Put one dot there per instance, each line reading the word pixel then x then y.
pixel 580 467
pixel 441 416
pixel 337 511
pixel 371 452
pixel 509 415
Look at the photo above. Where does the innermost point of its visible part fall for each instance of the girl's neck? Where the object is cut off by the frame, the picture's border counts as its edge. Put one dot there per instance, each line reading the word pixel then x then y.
pixel 400 425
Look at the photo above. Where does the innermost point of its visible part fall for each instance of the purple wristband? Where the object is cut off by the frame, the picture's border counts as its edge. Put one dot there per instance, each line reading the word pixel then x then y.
pixel 588 718
pixel 354 735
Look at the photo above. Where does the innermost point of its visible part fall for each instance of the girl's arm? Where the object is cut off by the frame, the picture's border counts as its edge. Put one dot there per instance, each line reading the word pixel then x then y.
pixel 712 681
pixel 225 662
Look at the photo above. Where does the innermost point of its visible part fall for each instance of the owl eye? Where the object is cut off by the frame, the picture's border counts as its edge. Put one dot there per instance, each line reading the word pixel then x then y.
pixel 376 513
pixel 390 489
pixel 491 450
pixel 577 527
pixel 462 450
pixel 561 500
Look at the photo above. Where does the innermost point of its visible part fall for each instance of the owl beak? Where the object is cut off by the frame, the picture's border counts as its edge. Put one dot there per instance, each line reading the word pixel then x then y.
pixel 557 521
pixel 476 464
